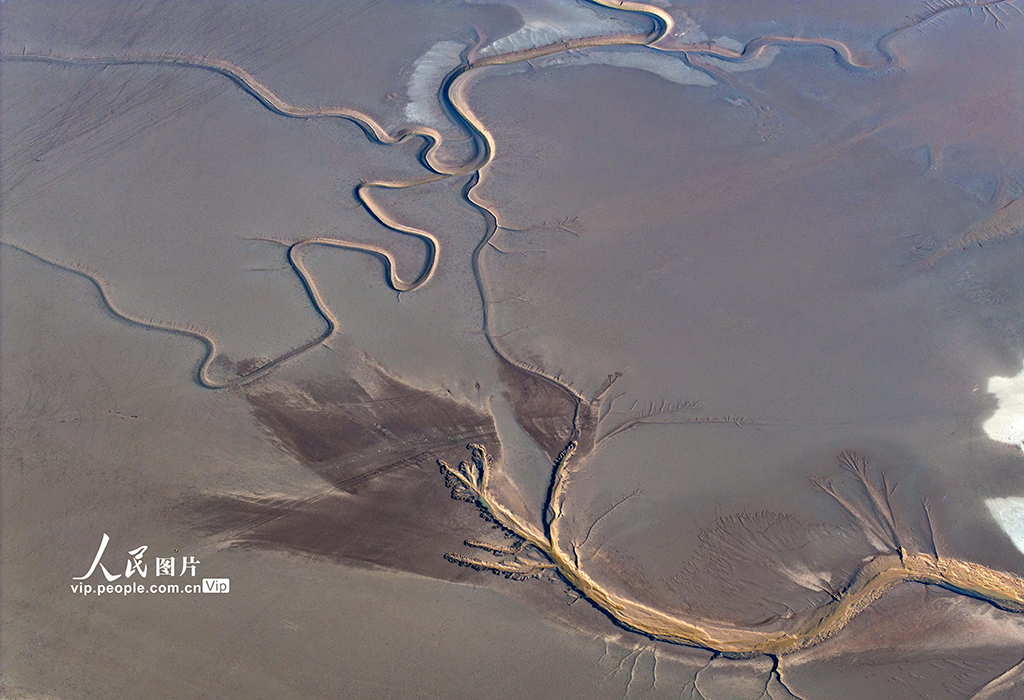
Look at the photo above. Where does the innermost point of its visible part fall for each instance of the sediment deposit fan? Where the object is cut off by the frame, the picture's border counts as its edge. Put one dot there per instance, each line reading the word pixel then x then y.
pixel 545 548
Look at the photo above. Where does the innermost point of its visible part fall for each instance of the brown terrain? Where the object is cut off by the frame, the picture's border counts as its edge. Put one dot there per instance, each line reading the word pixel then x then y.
pixel 269 272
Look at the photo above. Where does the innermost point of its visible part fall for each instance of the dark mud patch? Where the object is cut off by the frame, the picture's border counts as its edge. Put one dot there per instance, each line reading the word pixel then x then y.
pixel 401 519
pixel 543 409
pixel 375 442
pixel 340 426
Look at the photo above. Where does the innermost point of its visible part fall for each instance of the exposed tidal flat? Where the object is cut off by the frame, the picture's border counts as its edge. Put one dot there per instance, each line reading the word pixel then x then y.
pixel 260 287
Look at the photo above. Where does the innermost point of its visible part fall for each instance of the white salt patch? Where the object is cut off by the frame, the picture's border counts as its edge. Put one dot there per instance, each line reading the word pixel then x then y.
pixel 1007 423
pixel 428 72
pixel 687 31
pixel 1009 513
pixel 530 36
pixel 763 60
pixel 664 65
pixel 549 21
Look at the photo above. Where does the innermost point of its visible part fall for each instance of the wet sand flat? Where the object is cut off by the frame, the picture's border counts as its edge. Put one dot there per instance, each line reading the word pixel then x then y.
pixel 583 348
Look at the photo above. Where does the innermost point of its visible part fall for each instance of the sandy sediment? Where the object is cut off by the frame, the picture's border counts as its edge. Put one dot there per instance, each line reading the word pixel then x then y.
pixel 453 96
pixel 876 576
pixel 552 411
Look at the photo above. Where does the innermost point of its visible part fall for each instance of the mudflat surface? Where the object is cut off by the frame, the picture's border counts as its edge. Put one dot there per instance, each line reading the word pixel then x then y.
pixel 727 304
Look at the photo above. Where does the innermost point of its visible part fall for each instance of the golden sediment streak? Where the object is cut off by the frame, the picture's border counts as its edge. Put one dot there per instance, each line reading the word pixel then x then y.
pixel 876 576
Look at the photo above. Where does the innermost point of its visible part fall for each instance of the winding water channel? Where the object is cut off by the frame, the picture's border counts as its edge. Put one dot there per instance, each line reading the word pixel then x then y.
pixel 541 546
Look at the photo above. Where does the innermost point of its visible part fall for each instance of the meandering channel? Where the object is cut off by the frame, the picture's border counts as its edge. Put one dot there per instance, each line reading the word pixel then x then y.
pixel 471 479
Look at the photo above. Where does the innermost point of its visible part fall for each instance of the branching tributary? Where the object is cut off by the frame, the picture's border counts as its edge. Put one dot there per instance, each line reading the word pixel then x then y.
pixel 543 547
